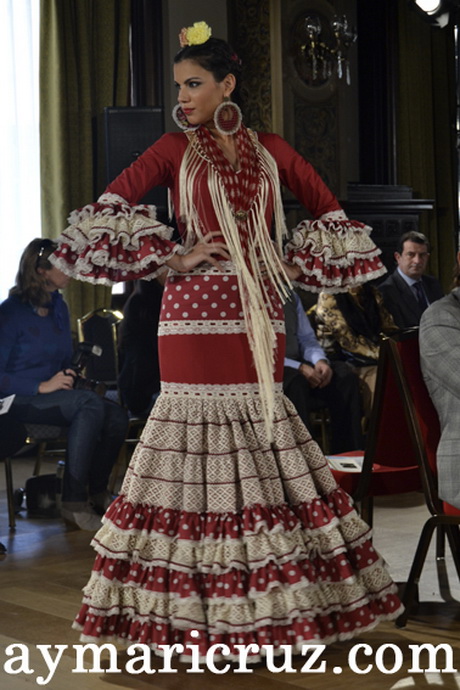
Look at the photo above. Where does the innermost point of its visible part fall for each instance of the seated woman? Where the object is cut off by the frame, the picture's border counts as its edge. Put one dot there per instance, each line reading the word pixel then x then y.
pixel 35 354
pixel 349 325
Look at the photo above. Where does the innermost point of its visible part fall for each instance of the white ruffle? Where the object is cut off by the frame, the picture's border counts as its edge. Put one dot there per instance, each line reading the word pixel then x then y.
pixel 337 242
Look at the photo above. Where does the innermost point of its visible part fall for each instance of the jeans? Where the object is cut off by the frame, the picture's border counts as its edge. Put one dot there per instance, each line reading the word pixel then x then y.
pixel 96 430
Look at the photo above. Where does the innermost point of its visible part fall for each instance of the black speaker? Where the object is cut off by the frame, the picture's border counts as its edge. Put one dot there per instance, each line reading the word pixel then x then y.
pixel 128 133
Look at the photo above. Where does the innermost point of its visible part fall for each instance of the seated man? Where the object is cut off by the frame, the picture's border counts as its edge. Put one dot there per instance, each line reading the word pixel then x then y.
pixel 309 376
pixel 439 346
pixel 407 292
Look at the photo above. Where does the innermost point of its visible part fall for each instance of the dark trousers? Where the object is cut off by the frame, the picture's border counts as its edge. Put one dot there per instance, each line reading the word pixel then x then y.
pixel 96 429
pixel 13 435
pixel 342 398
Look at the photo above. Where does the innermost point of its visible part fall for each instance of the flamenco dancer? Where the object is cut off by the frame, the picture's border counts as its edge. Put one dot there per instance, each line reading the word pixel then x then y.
pixel 229 527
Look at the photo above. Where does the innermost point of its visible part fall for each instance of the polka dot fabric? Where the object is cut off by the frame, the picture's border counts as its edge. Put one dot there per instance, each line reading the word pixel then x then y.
pixel 217 529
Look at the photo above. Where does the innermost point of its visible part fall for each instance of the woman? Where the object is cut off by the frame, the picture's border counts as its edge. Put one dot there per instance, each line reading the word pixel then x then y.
pixel 35 358
pixel 350 326
pixel 229 522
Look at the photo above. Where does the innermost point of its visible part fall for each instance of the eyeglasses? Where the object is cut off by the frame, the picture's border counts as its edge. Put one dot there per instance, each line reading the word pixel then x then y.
pixel 45 244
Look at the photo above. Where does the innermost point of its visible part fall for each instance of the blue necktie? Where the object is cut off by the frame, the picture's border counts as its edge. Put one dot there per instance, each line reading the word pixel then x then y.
pixel 420 293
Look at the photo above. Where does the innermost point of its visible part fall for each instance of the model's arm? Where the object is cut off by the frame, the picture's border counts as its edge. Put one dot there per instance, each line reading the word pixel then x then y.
pixel 115 239
pixel 301 178
pixel 155 167
pixel 329 251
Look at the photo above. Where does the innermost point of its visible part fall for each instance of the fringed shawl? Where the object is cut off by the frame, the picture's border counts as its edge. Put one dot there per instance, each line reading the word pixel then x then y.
pixel 240 201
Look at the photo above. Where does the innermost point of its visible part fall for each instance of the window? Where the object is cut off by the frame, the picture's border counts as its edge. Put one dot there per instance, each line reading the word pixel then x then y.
pixel 20 219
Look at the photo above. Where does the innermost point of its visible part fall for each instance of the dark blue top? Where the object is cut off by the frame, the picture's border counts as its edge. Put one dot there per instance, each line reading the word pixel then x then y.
pixel 32 348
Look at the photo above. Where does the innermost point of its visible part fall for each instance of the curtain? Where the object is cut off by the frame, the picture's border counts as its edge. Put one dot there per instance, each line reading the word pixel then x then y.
pixel 426 130
pixel 84 67
pixel 19 140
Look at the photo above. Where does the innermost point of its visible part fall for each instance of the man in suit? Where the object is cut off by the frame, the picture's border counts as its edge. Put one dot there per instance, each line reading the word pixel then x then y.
pixel 407 292
pixel 310 377
pixel 439 347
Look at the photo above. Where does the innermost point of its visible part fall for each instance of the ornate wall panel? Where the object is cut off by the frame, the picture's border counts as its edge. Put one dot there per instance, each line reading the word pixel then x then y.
pixel 310 105
pixel 319 116
pixel 315 137
pixel 250 33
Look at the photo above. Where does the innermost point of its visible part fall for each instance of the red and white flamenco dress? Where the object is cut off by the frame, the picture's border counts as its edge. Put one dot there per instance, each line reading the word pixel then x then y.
pixel 229 521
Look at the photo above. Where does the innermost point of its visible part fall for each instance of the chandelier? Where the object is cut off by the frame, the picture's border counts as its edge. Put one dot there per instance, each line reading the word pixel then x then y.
pixel 327 45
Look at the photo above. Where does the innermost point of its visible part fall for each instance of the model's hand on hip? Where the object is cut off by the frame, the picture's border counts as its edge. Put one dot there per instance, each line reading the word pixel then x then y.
pixel 206 250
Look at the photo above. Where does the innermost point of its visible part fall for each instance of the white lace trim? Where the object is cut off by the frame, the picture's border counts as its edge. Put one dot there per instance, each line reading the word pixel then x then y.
pixel 109 198
pixel 83 267
pixel 205 269
pixel 334 215
pixel 340 244
pixel 232 390
pixel 233 326
pixel 338 284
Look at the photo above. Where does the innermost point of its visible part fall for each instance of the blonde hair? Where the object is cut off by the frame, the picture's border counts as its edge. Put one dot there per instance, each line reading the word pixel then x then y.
pixel 30 285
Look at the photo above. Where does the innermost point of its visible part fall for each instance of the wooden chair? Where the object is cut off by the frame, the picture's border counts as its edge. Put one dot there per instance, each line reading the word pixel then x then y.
pixel 424 429
pixel 389 462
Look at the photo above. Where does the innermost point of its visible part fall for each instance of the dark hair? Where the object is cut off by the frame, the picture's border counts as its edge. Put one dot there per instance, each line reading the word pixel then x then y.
pixel 412 236
pixel 216 56
pixel 30 286
pixel 365 320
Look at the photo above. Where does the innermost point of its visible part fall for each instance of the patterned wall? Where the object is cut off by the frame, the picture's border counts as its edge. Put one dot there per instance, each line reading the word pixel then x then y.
pixel 310 110
pixel 311 106
pixel 315 137
pixel 250 33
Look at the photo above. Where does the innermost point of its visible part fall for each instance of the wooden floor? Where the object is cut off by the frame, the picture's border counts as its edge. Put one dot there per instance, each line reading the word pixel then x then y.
pixel 46 566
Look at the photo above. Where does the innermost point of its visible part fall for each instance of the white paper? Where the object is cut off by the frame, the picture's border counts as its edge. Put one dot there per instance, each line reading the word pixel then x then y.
pixel 346 463
pixel 5 404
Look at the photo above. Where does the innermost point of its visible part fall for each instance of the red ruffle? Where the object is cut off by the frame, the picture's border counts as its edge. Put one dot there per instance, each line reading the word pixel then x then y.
pixel 336 625
pixel 334 255
pixel 198 526
pixel 239 581
pixel 105 262
pixel 312 569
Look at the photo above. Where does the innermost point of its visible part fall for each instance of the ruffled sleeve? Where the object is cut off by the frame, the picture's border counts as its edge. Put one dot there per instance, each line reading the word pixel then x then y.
pixel 111 241
pixel 333 253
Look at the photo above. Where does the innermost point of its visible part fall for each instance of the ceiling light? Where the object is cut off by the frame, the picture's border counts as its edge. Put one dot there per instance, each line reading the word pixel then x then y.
pixel 429 6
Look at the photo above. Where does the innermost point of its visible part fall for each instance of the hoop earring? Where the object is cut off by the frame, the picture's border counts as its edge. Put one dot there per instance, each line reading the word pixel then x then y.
pixel 227 117
pixel 180 118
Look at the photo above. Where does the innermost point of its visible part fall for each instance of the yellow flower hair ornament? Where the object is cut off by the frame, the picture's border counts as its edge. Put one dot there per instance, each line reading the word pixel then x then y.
pixel 194 35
